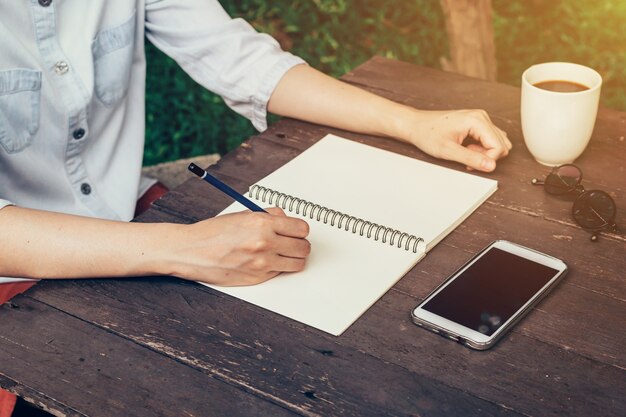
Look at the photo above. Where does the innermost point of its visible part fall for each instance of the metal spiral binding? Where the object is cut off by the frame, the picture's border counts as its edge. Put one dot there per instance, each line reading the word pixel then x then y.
pixel 333 217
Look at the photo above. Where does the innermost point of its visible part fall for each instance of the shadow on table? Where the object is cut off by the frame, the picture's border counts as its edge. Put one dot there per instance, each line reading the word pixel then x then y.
pixel 25 409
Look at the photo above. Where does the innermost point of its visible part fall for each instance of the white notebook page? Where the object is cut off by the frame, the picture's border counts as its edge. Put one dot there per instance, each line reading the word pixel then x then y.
pixel 346 273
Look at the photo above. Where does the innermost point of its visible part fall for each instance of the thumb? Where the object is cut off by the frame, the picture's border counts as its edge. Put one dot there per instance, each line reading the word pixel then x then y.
pixel 471 156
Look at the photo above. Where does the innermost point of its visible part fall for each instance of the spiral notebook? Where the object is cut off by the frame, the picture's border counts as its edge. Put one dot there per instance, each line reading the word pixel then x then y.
pixel 373 215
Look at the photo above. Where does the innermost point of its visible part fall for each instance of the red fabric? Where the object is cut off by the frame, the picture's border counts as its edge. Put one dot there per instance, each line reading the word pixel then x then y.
pixel 8 291
pixel 7 403
pixel 154 193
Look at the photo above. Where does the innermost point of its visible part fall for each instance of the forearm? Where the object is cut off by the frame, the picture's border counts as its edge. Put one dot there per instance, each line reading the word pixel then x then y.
pixel 324 100
pixel 234 249
pixel 305 93
pixel 40 244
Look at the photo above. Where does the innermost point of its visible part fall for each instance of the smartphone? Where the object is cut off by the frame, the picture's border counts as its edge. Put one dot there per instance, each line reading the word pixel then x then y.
pixel 484 298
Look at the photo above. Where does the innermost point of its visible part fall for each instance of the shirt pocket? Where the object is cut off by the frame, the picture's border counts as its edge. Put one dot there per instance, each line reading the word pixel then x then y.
pixel 112 51
pixel 20 91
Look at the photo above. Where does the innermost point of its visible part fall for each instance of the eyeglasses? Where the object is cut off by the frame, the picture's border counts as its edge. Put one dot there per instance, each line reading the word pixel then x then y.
pixel 593 210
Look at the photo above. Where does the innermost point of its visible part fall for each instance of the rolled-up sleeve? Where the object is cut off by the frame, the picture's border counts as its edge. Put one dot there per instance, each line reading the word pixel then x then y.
pixel 4 203
pixel 225 55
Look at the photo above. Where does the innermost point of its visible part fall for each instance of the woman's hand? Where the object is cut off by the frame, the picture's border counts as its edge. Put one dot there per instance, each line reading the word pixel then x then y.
pixel 466 136
pixel 243 248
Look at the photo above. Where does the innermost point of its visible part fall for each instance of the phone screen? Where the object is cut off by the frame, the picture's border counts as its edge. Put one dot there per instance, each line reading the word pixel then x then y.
pixel 487 293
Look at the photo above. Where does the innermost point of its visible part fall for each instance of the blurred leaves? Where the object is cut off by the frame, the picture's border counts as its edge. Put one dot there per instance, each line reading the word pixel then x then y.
pixel 587 32
pixel 184 120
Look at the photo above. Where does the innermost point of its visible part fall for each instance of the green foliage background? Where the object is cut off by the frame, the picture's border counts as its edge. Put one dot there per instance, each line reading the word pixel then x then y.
pixel 184 120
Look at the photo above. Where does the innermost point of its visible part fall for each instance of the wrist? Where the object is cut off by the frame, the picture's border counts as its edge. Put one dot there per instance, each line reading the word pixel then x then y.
pixel 157 251
pixel 405 124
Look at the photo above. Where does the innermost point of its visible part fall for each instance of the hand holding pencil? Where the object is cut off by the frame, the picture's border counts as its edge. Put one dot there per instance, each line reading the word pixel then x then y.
pixel 243 248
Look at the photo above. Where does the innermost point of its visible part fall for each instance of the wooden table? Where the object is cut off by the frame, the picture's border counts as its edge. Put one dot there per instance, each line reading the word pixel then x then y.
pixel 163 346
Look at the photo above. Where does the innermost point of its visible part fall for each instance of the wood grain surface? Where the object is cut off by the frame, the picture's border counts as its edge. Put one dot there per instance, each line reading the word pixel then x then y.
pixel 164 346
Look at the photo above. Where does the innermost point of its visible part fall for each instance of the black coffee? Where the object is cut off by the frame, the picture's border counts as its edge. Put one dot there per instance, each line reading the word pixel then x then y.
pixel 561 86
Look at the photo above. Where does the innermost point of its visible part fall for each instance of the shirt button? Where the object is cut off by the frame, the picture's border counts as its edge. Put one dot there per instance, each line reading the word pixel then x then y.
pixel 61 67
pixel 45 3
pixel 78 133
pixel 85 188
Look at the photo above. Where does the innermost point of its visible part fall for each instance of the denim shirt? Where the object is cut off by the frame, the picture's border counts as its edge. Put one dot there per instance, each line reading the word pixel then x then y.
pixel 72 91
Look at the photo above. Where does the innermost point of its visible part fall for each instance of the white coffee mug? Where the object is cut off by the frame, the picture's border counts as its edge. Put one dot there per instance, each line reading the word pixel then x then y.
pixel 557 126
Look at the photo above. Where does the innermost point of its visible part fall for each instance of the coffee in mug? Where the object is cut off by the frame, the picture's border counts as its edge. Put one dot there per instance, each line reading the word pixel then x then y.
pixel 559 108
pixel 561 86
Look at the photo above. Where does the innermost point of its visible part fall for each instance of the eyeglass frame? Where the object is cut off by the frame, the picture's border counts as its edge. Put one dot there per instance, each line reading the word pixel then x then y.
pixel 578 190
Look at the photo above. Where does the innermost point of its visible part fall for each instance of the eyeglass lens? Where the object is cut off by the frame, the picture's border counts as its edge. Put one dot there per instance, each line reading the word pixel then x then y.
pixel 594 210
pixel 563 180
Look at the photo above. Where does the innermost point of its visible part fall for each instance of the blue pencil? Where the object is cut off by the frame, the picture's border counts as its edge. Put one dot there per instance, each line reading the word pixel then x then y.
pixel 223 187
